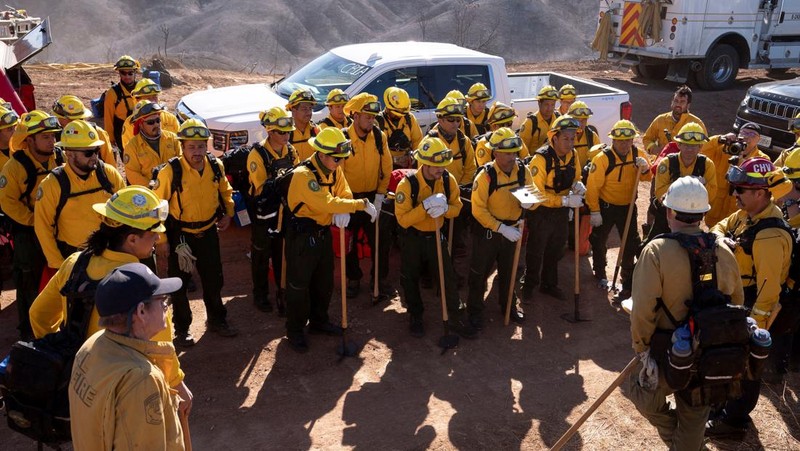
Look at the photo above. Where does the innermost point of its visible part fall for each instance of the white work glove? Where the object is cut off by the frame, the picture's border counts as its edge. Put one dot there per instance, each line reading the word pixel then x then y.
pixel 579 188
pixel 436 211
pixel 436 199
pixel 341 220
pixel 596 219
pixel 371 211
pixel 185 258
pixel 648 376
pixel 510 233
pixel 379 202
pixel 642 164
pixel 572 201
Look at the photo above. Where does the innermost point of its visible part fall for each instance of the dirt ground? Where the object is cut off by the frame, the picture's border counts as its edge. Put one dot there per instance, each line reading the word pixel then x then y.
pixel 512 388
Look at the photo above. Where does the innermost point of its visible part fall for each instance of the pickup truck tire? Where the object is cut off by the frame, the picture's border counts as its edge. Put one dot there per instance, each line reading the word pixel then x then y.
pixel 651 71
pixel 719 68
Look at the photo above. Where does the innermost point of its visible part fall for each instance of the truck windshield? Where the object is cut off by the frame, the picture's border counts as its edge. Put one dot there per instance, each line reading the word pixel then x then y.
pixel 325 73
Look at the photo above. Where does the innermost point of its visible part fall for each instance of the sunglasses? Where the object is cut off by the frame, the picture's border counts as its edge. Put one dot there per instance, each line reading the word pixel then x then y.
pixel 509 143
pixel 584 112
pixel 741 189
pixel 88 153
pixel 153 121
pixel 339 98
pixel 623 133
pixel 279 132
pixel 438 157
pixel 747 133
pixel 282 122
pixel 698 137
pixel 194 132
pixel 126 73
pixel 452 119
pixel 147 90
pixel 338 159
pixel 48 123
pixel 453 108
pixel 481 94
pixel 9 118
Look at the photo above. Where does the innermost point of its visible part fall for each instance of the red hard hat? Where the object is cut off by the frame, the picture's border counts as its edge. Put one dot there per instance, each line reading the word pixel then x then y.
pixel 753 173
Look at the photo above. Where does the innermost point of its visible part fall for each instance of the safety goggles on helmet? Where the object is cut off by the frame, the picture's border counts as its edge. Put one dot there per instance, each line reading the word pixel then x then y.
pixel 194 132
pixel 508 144
pixel 737 176
pixel 371 107
pixel 46 124
pixel 338 98
pixel 566 123
pixel 160 213
pixel 147 90
pixel 789 171
pixel 147 110
pixel 548 95
pixel 502 114
pixel 617 133
pixel 343 148
pixel 61 110
pixel 450 109
pixel 698 137
pixel 481 94
pixel 125 63
pixel 436 158
pixel 302 96
pixel 8 118
pixel 281 122
pixel 582 112
pixel 569 92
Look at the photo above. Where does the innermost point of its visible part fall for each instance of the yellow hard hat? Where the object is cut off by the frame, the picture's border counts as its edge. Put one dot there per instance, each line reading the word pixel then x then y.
pixel 396 99
pixel 37 121
pixel 331 141
pixel 579 110
pixel 145 108
pixel 134 206
pixel 433 152
pixel 449 106
pixel 622 130
pixel 363 103
pixel 565 122
pixel 779 184
pixel 8 118
pixel 691 133
pixel 501 113
pixel 70 107
pixel 567 92
pixel 791 165
pixel 478 91
pixel 548 92
pixel 505 140
pixel 126 62
pixel 337 97
pixel 794 123
pixel 145 87
pixel 78 135
pixel 300 96
pixel 193 130
pixel 276 118
pixel 458 95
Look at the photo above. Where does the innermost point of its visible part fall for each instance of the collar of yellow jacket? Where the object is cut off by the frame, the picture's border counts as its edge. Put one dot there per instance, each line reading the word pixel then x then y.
pixel 151 349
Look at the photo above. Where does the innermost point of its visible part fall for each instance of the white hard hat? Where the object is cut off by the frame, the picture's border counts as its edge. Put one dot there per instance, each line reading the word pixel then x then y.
pixel 687 195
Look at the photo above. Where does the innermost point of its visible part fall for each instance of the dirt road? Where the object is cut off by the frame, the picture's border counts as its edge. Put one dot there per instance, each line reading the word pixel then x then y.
pixel 512 388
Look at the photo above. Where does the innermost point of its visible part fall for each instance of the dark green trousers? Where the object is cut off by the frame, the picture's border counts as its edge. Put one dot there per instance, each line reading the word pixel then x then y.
pixel 309 277
pixel 418 251
pixel 489 248
pixel 264 248
pixel 28 263
pixel 615 216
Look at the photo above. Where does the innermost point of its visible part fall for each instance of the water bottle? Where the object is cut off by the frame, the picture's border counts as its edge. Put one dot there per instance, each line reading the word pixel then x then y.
pixel 155 76
pixel 682 333
pixel 241 216
pixel 752 325
pixel 678 373
pixel 760 342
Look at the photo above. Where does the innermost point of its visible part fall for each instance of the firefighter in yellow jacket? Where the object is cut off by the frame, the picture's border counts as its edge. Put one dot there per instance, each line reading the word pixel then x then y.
pixel 609 189
pixel 19 181
pixel 557 176
pixel 301 105
pixel 499 115
pixel 536 127
pixel 8 123
pixel 150 146
pixel 69 108
pixel 268 159
pixel 119 102
pixel 762 244
pixel 63 220
pixel 477 113
pixel 466 125
pixel 319 196
pixel 794 127
pixel 200 203
pixel 498 212
pixel 655 137
pixel 367 171
pixel 586 137
pixel 336 118
pixel 567 94
pixel 725 150
pixel 147 89
pixel 400 126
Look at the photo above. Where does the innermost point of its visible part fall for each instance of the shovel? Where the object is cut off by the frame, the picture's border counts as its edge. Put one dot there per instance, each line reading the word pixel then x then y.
pixel 612 285
pixel 347 348
pixel 448 340
pixel 280 300
pixel 513 274
pixel 376 296
pixel 576 316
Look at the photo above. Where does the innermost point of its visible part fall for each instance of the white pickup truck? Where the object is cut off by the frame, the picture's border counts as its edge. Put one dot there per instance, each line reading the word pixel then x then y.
pixel 426 70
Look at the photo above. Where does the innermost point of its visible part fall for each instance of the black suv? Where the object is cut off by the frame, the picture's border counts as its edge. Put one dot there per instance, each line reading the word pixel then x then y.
pixel 771 105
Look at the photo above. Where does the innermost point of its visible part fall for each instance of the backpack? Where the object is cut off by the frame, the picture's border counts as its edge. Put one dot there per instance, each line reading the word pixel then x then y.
pixel 398 140
pixel 612 163
pixel 267 205
pixel 98 104
pixel 282 183
pixel 720 330
pixel 63 182
pixel 376 133
pixel 31 172
pixel 36 382
pixel 235 162
pixel 492 171
pixel 564 175
pixel 176 187
pixel 411 176
pixel 462 144
pixel 673 161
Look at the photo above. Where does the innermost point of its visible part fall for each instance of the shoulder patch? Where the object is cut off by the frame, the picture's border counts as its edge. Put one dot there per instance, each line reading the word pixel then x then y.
pixel 481 152
pixel 39 193
pixel 313 185
pixel 3 181
pixel 253 166
pixel 152 410
pixel 592 167
pixel 534 170
pixel 400 198
pixel 126 158
pixel 662 168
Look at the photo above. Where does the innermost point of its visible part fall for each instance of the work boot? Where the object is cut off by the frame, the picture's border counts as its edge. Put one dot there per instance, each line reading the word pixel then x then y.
pixel 516 316
pixel 718 428
pixel 328 328
pixel 221 328
pixel 600 274
pixel 263 304
pixel 183 340
pixel 298 343
pixel 353 287
pixel 461 328
pixel 553 291
pixel 416 327
pixel 476 321
pixel 281 302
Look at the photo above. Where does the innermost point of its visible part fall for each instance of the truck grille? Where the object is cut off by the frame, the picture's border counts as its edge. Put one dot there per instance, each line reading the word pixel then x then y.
pixel 772 108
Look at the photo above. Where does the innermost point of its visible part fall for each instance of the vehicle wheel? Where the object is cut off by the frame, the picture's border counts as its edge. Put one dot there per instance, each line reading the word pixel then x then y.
pixel 719 69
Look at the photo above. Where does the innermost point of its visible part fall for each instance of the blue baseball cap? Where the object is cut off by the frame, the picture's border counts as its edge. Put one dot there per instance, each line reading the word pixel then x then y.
pixel 128 285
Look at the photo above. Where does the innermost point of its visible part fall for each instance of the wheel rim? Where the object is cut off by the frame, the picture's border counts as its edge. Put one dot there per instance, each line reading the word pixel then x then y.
pixel 722 69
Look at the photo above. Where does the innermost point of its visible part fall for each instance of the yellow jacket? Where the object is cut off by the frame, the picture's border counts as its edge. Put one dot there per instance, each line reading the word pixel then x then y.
pixel 479 121
pixel 13 186
pixel 299 139
pixel 331 122
pixel 615 188
pixel 5 155
pixel 768 267
pixel 257 171
pixel 483 153
pixel 169 122
pixel 532 137
pixel 118 397
pixel 409 215
pixel 140 159
pixel 323 196
pixel 49 310
pixel 663 271
pixel 463 166
pixel 407 123
pixel 544 180
pixel 200 197
pixel 654 138
pixel 368 169
pixel 582 147
pixel 782 157
pixel 492 210
pixel 121 111
pixel 663 179
pixel 723 204
pixel 468 128
pixel 77 220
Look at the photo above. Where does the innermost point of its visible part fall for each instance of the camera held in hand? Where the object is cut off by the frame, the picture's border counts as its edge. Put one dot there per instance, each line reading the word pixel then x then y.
pixel 733 147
